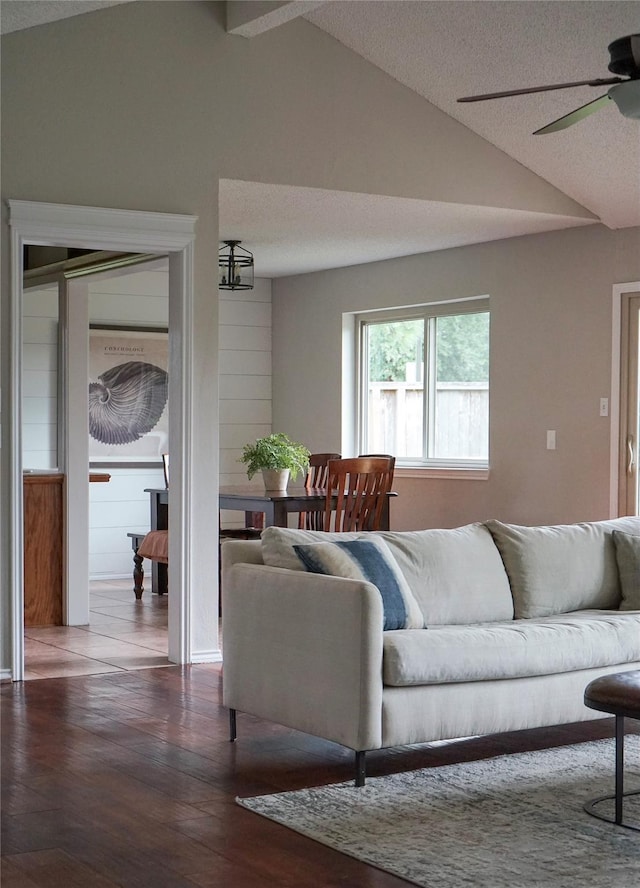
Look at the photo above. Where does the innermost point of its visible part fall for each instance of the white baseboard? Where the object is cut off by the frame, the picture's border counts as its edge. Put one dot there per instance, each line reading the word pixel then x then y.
pixel 214 656
pixel 5 675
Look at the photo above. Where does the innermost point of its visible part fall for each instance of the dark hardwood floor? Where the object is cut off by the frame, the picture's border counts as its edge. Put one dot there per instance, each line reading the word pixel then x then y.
pixel 129 780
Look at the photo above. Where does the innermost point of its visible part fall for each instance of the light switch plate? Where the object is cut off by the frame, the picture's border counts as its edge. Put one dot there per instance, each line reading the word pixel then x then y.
pixel 551 439
pixel 604 406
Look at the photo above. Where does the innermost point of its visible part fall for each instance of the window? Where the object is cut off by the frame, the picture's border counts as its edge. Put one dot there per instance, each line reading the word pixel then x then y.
pixel 424 384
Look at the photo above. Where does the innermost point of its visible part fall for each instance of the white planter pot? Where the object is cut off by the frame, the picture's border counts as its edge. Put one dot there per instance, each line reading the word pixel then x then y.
pixel 275 479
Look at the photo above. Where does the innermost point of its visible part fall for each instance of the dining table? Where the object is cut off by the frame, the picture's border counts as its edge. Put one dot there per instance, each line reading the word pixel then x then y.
pixel 275 505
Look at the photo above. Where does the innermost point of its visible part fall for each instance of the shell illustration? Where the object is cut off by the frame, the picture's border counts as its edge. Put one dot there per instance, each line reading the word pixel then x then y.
pixel 127 402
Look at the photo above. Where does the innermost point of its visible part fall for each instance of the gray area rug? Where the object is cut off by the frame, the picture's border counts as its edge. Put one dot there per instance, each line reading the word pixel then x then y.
pixel 515 821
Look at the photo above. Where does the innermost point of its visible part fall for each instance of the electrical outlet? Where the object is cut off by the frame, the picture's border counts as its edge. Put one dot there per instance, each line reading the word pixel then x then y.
pixel 604 406
pixel 551 439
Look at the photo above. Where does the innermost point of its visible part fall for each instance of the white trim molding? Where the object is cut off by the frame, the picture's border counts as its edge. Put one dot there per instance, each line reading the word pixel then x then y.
pixel 97 228
pixel 82 227
pixel 444 474
pixel 16 512
pixel 614 404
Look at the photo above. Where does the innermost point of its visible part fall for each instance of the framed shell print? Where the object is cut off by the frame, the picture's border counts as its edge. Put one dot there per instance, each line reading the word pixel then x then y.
pixel 128 394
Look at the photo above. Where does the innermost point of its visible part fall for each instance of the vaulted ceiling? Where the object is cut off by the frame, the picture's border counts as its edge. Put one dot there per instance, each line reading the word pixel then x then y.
pixel 441 50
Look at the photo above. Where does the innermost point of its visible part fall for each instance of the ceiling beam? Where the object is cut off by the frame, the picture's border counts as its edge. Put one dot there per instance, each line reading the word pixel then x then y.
pixel 248 18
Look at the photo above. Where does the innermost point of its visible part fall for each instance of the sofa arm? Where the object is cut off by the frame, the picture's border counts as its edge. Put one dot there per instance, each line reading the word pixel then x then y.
pixel 304 650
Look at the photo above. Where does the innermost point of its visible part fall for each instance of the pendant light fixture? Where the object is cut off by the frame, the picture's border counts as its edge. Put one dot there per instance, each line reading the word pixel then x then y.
pixel 235 267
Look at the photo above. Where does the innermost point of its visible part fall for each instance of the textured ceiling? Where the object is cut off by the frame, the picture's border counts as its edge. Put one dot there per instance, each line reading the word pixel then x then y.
pixel 444 50
pixel 17 15
pixel 296 230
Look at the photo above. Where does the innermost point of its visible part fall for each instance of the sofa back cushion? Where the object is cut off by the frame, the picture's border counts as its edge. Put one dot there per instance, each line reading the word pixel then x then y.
pixel 561 568
pixel 456 575
pixel 628 558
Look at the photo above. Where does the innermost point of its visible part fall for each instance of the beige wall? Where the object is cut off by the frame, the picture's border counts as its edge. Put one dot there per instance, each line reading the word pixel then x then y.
pixel 551 322
pixel 147 105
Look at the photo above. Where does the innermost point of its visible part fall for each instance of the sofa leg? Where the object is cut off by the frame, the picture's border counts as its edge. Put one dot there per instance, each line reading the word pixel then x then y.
pixel 232 725
pixel 361 768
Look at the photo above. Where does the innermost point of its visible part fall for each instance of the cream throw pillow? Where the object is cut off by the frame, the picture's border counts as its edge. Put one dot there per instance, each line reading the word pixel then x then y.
pixel 278 543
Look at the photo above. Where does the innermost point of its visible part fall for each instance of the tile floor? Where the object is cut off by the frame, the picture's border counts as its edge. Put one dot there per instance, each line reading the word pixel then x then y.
pixel 123 634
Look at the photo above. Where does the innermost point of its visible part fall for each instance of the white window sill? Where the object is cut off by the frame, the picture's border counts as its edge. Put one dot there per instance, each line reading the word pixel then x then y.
pixel 448 473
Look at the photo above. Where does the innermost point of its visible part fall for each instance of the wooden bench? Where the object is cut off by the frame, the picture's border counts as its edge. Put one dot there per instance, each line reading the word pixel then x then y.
pixel 136 537
pixel 138 570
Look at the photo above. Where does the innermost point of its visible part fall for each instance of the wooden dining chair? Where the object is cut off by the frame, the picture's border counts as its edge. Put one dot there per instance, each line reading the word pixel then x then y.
pixel 316 477
pixel 360 487
pixel 252 532
pixel 392 466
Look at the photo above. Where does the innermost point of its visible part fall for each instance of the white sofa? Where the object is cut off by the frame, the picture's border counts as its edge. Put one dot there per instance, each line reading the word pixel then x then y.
pixel 517 621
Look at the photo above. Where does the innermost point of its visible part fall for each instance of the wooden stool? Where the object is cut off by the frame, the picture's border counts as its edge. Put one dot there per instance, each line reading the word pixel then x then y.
pixel 619 695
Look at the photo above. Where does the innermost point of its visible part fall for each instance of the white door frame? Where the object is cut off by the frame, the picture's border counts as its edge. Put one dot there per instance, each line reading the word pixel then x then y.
pixel 616 331
pixel 130 231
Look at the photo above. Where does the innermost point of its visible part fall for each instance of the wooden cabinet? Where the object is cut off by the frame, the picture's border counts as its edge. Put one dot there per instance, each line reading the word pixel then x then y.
pixel 43 548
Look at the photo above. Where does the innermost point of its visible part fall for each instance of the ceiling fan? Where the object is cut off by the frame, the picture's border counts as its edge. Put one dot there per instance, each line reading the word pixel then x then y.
pixel 625 60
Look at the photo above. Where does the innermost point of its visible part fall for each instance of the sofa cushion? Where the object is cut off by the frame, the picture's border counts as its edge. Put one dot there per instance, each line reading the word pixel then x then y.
pixel 456 575
pixel 369 560
pixel 278 543
pixel 561 568
pixel 565 643
pixel 628 559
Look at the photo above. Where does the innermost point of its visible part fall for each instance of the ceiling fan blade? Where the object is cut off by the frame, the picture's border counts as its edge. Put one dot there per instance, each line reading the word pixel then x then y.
pixel 535 89
pixel 574 116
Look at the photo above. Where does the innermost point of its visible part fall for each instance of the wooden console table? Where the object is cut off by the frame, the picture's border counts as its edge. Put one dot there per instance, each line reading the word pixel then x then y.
pixel 43 498
pixel 43 546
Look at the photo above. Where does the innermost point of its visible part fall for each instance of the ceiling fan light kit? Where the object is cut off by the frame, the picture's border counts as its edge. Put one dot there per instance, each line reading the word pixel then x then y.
pixel 624 56
pixel 627 98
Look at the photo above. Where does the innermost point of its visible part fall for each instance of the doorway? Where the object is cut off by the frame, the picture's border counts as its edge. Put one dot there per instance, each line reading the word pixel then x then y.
pixel 105 628
pixel 93 229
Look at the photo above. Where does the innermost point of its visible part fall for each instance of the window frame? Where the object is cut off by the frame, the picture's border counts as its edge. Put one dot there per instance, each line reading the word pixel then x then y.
pixel 475 469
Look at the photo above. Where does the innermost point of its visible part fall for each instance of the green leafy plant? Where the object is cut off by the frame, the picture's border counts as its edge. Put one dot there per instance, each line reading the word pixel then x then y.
pixel 275 452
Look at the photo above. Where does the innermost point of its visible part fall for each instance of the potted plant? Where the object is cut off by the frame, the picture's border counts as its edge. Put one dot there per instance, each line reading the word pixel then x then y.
pixel 277 457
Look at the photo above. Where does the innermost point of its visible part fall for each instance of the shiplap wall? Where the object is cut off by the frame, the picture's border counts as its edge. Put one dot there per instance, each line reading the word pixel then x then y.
pixel 141 297
pixel 40 378
pixel 245 379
